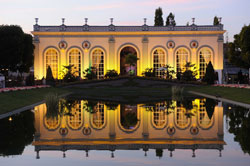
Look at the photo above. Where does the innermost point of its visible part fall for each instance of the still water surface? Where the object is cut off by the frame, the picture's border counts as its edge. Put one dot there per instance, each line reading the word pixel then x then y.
pixel 194 131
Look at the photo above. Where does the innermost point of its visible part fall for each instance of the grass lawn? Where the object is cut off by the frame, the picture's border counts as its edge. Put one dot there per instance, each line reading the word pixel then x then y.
pixel 236 94
pixel 10 101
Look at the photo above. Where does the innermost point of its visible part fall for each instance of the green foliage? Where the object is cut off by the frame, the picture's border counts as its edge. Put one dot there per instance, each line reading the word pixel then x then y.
pixel 131 59
pixel 210 76
pixel 149 72
pixel 90 73
pixel 49 77
pixel 189 73
pixel 170 20
pixel 111 74
pixel 158 17
pixel 216 20
pixel 90 106
pixel 68 74
pixel 16 49
pixel 239 50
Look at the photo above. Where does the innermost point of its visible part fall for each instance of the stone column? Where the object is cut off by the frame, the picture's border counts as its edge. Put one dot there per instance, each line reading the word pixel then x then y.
pixel 145 57
pixel 86 60
pixel 112 122
pixel 171 57
pixel 145 119
pixel 38 64
pixel 112 58
pixel 219 110
pixel 220 58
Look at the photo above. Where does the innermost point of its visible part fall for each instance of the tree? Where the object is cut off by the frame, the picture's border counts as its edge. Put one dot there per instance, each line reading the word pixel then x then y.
pixel 210 75
pixel 216 20
pixel 11 46
pixel 158 17
pixel 27 58
pixel 16 49
pixel 239 50
pixel 170 19
pixel 131 59
pixel 239 125
pixel 49 77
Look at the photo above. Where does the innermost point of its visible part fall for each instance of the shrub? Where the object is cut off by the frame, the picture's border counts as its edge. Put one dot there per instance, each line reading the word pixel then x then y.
pixel 111 74
pixel 68 74
pixel 30 80
pixel 49 77
pixel 210 75
pixel 190 72
pixel 149 72
pixel 90 73
pixel 52 104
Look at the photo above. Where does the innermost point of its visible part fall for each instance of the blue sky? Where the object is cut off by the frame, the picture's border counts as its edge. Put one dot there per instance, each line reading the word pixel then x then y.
pixel 234 13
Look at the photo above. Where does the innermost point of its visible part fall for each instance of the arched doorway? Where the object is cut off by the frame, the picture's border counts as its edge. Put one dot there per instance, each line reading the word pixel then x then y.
pixel 125 68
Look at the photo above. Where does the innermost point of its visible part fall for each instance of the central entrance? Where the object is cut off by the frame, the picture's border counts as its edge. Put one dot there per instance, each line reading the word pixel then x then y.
pixel 124 67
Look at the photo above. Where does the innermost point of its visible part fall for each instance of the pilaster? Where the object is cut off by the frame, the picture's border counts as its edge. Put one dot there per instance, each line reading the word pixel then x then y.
pixel 145 57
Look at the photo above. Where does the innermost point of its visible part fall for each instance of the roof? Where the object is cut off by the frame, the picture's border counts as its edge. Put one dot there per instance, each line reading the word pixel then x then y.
pixel 65 28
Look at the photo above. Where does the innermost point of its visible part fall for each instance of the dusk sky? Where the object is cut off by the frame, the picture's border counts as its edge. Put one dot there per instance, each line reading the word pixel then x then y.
pixel 234 13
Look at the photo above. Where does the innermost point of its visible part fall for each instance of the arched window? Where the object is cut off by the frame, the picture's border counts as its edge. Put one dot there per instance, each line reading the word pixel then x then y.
pixel 75 121
pixel 204 57
pixel 203 118
pixel 181 59
pixel 75 59
pixel 52 123
pixel 52 61
pixel 98 62
pixel 159 116
pixel 159 59
pixel 98 118
pixel 181 119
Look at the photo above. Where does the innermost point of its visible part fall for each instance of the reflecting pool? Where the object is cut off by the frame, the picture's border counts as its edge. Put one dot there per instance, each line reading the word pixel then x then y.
pixel 194 131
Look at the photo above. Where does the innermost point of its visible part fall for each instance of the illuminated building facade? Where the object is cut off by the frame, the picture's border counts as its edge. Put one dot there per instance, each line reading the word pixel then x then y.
pixel 105 47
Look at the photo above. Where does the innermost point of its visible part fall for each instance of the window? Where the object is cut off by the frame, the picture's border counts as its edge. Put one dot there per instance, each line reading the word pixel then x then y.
pixel 203 119
pixel 205 57
pixel 52 61
pixel 181 59
pixel 51 123
pixel 159 61
pixel 75 59
pixel 159 116
pixel 98 117
pixel 98 62
pixel 75 120
pixel 181 119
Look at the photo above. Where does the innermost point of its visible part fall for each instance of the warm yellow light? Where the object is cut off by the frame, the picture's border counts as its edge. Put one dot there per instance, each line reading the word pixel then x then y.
pixel 10 118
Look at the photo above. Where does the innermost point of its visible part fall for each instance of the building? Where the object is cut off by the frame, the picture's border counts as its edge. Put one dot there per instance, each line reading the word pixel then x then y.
pixel 105 47
pixel 104 128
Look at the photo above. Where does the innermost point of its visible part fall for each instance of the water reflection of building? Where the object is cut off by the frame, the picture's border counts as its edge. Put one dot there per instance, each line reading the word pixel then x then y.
pixel 131 128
